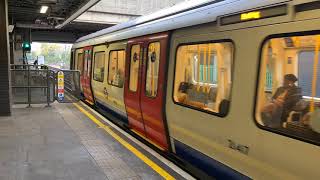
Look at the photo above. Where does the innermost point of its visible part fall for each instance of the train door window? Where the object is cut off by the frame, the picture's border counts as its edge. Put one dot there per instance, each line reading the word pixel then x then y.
pixel 134 67
pixel 98 73
pixel 289 85
pixel 152 69
pixel 80 62
pixel 116 68
pixel 71 67
pixel 88 62
pixel 203 76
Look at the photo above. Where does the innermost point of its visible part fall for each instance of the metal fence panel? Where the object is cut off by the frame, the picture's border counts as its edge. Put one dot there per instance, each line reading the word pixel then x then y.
pixel 20 95
pixel 30 84
pixel 42 84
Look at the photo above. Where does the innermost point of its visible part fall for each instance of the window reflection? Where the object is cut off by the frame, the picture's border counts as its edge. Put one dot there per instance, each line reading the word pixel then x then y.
pixel 98 72
pixel 153 69
pixel 116 68
pixel 134 67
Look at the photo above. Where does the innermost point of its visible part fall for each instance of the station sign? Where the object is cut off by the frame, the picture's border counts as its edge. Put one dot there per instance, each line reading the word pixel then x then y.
pixel 60 86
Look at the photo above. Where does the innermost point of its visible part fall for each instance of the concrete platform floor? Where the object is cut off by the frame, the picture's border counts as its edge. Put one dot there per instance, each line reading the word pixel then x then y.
pixel 62 143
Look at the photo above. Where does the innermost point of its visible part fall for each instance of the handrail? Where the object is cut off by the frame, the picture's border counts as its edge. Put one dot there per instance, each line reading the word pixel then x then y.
pixel 44 80
pixel 28 70
pixel 315 74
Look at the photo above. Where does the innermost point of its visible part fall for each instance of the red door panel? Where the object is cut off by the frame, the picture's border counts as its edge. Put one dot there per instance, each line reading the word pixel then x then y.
pixel 132 91
pixel 145 113
pixel 86 76
pixel 153 107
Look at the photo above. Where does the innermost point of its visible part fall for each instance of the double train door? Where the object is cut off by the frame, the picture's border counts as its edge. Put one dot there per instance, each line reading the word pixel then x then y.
pixel 86 75
pixel 145 87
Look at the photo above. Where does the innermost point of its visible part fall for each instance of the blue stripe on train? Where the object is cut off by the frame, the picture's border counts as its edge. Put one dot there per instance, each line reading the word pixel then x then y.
pixel 208 165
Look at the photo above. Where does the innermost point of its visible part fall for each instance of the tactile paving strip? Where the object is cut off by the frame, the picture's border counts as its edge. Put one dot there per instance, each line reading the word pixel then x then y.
pixel 109 161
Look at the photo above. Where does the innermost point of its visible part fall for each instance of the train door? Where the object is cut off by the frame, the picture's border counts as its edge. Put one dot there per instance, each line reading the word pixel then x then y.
pixel 86 75
pixel 145 87
pixel 79 66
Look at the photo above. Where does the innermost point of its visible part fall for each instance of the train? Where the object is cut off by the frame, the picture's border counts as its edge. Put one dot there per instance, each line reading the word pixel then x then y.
pixel 229 88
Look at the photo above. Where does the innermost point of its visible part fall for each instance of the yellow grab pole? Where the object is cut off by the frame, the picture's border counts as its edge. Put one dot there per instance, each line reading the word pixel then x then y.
pixel 205 67
pixel 209 64
pixel 199 58
pixel 315 73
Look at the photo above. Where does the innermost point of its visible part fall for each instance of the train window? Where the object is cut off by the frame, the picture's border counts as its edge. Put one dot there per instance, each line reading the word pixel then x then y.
pixel 80 62
pixel 152 69
pixel 98 72
pixel 134 67
pixel 203 76
pixel 116 68
pixel 289 85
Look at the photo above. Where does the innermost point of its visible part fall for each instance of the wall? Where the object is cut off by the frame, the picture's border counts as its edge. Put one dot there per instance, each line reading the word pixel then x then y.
pixel 5 91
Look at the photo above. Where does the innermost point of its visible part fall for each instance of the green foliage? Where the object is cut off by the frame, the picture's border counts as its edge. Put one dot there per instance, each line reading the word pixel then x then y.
pixel 54 54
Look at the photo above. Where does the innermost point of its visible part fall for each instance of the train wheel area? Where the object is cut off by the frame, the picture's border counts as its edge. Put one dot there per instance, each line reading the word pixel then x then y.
pixel 72 141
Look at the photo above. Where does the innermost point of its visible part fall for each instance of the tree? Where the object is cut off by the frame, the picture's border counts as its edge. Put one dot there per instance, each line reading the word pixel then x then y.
pixel 56 54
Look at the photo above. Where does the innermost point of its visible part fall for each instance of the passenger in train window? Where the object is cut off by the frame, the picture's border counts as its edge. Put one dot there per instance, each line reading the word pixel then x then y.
pixel 293 63
pixel 283 102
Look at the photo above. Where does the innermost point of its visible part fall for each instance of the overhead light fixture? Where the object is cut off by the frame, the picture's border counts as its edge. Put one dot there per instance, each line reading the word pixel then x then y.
pixel 43 9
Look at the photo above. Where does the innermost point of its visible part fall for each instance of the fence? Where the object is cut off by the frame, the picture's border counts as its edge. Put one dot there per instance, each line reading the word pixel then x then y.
pixel 38 84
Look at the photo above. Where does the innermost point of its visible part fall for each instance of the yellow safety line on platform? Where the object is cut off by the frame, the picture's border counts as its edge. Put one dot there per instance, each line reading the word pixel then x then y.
pixel 136 152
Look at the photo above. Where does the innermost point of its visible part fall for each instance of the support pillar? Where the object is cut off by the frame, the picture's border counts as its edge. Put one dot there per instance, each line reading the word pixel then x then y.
pixel 5 90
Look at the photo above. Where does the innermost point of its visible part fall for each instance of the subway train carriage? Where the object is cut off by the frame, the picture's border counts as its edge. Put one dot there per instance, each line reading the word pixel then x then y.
pixel 228 89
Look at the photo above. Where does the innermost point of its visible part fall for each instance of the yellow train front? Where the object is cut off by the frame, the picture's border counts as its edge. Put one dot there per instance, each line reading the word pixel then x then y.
pixel 230 89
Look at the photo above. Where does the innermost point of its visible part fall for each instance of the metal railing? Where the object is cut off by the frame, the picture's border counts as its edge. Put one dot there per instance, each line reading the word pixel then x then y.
pixel 30 84
pixel 37 84
pixel 71 85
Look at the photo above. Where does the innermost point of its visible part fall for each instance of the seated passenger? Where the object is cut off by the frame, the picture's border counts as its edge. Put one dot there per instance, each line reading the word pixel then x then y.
pixel 282 103
pixel 306 119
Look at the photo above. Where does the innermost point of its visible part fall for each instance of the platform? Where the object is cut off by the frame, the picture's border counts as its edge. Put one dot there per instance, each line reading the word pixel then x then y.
pixel 73 142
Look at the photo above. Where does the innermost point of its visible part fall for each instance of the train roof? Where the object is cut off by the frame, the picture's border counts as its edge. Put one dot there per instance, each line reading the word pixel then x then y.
pixel 182 15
